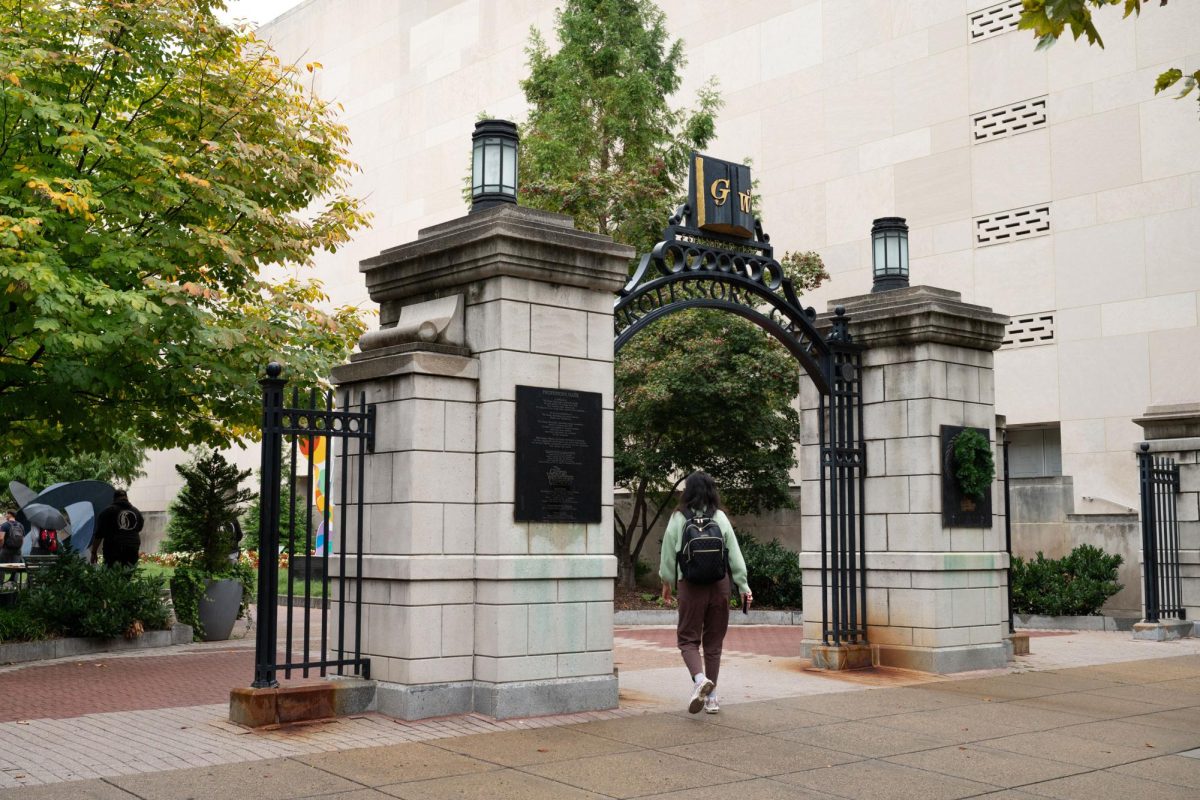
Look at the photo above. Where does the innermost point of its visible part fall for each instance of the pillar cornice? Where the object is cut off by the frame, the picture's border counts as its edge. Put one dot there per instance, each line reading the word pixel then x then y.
pixel 919 315
pixel 506 240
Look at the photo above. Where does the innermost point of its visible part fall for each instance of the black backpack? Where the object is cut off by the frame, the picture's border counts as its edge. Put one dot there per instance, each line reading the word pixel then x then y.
pixel 701 558
pixel 14 537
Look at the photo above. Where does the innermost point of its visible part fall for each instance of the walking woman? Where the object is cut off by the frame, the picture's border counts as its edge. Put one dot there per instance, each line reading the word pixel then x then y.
pixel 700 554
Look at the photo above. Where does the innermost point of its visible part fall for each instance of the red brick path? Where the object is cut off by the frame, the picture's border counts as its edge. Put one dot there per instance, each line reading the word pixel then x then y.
pixel 73 688
pixel 766 640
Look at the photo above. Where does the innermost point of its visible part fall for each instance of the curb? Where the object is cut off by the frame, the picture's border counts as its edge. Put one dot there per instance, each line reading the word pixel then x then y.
pixel 1038 622
pixel 735 618
pixel 19 652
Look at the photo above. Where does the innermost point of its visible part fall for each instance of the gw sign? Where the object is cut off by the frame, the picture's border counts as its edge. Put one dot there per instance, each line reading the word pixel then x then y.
pixel 719 194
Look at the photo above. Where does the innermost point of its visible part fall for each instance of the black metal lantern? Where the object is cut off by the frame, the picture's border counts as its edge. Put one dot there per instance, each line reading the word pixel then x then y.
pixel 889 253
pixel 493 163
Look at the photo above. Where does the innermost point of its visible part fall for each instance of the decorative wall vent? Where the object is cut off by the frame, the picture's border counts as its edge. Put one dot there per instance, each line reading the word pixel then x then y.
pixel 994 20
pixel 1010 120
pixel 1029 330
pixel 1008 226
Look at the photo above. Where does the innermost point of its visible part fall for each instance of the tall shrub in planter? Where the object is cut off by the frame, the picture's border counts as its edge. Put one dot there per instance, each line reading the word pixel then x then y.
pixel 1077 585
pixel 211 590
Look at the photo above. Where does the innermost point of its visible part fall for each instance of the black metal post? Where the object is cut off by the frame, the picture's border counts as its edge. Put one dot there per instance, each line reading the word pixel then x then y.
pixel 268 521
pixel 1149 543
pixel 1008 532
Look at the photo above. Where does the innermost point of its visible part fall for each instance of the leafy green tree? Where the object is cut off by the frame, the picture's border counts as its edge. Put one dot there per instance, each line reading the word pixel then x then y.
pixel 157 171
pixel 202 513
pixel 602 144
pixel 121 464
pixel 1048 19
pixel 701 390
pixel 252 522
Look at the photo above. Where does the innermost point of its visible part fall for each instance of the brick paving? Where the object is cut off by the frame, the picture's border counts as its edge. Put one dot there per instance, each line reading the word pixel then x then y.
pixel 77 688
pixel 763 640
pixel 1112 732
pixel 150 711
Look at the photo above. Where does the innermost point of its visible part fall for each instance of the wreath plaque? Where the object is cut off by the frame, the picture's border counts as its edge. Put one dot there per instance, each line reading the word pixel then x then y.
pixel 965 509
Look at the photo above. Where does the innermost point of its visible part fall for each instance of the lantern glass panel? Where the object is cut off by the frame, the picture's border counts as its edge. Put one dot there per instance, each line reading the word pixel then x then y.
pixel 903 255
pixel 508 169
pixel 477 170
pixel 491 164
pixel 892 265
pixel 879 259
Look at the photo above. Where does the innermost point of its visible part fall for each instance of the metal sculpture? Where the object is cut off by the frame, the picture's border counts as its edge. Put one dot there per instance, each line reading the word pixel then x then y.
pixel 81 500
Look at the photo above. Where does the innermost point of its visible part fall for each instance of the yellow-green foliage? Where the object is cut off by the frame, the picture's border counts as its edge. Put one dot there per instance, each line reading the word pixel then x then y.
pixel 154 164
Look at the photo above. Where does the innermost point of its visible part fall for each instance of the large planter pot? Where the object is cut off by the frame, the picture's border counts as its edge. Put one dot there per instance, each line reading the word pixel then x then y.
pixel 219 609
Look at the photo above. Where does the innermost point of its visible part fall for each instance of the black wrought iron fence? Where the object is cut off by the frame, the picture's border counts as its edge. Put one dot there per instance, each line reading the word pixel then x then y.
pixel 311 437
pixel 1162 587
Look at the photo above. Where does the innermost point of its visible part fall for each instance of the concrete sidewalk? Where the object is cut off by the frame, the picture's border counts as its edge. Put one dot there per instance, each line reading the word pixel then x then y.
pixel 1120 730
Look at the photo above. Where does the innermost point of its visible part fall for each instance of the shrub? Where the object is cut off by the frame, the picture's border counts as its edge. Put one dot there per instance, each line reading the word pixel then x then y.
pixel 203 513
pixel 774 572
pixel 1077 585
pixel 17 625
pixel 73 598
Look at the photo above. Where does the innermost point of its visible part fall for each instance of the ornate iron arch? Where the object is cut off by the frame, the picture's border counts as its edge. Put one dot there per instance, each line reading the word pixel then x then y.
pixel 695 268
pixel 698 269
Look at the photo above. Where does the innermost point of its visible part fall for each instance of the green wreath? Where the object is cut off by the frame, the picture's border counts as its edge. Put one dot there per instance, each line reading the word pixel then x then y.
pixel 974 467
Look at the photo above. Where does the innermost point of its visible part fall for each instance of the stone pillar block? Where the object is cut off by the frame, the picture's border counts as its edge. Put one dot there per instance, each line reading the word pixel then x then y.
pixel 935 595
pixel 469 608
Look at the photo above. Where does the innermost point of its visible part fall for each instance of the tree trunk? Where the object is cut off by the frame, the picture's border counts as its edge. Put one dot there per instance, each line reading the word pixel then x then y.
pixel 626 571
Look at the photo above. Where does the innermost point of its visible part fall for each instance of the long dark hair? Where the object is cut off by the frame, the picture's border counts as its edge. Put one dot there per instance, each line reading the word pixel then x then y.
pixel 700 493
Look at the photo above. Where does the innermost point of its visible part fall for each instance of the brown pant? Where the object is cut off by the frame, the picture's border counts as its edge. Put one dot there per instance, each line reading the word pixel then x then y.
pixel 703 619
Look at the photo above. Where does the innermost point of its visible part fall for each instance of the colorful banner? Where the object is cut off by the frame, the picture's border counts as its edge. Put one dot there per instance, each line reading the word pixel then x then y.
pixel 322 492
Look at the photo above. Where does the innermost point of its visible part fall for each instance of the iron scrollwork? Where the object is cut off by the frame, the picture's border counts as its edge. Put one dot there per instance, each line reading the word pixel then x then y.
pixel 691 268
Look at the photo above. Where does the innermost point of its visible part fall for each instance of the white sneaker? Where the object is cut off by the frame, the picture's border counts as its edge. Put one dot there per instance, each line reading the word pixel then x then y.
pixel 711 706
pixel 700 693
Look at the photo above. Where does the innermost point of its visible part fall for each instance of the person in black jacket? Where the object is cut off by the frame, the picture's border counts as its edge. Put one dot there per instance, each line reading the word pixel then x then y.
pixel 118 528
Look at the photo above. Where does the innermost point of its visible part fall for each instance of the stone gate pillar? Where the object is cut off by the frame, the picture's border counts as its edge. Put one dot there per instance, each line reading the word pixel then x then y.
pixel 935 594
pixel 1173 431
pixel 468 609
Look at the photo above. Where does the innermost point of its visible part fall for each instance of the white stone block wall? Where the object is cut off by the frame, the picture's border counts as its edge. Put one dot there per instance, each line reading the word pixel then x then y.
pixel 418 522
pixel 551 616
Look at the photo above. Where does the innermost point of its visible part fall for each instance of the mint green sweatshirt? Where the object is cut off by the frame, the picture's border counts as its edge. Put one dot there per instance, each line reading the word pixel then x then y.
pixel 668 567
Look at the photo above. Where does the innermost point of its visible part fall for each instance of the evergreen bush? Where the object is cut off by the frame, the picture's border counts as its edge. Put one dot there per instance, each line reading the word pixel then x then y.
pixel 202 517
pixel 203 512
pixel 18 625
pixel 1077 585
pixel 774 573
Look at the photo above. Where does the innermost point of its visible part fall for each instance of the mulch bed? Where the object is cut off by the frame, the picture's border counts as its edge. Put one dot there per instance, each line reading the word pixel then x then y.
pixel 631 600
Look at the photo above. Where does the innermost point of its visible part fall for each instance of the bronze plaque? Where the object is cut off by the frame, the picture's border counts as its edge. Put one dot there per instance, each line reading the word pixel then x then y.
pixel 719 193
pixel 558 467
